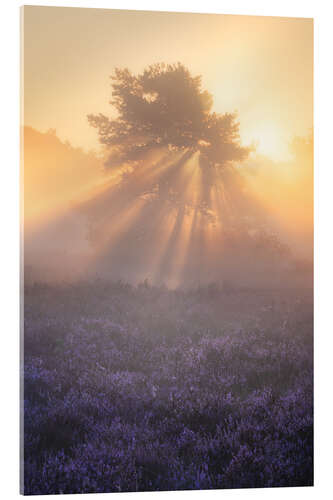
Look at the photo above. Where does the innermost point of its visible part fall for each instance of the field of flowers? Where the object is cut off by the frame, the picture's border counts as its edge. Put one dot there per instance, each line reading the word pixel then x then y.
pixel 143 388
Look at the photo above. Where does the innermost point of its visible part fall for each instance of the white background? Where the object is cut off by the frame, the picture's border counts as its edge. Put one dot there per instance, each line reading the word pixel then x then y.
pixel 321 11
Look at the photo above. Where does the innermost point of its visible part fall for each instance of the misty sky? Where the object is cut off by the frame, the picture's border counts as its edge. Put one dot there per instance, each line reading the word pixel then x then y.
pixel 260 66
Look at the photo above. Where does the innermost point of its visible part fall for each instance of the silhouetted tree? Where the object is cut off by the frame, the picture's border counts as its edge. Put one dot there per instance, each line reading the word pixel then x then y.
pixel 166 107
pixel 188 198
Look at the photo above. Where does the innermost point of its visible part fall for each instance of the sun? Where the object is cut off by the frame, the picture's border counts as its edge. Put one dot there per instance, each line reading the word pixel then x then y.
pixel 270 141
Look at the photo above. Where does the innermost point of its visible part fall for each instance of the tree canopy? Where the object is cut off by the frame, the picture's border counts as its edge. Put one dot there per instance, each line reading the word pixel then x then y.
pixel 166 107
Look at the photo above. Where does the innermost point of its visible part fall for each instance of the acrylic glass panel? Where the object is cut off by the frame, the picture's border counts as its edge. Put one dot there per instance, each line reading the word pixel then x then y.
pixel 167 276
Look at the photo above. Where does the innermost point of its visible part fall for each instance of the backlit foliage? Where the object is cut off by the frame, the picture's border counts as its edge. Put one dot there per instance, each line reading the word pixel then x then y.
pixel 165 106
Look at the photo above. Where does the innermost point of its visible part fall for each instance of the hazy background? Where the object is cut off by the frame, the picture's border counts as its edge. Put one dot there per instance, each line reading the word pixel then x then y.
pixel 260 66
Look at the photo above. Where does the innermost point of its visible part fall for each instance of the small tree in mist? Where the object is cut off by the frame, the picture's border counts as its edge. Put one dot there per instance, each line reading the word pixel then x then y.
pixel 166 107
pixel 192 177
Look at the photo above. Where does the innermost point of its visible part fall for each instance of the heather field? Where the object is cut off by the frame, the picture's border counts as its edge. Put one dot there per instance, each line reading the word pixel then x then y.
pixel 144 388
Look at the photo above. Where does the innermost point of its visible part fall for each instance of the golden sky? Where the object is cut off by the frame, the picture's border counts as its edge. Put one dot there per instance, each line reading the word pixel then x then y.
pixel 260 66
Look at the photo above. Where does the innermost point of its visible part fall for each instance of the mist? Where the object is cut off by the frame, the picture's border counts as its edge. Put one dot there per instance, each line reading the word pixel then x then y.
pixel 167 229
pixel 168 221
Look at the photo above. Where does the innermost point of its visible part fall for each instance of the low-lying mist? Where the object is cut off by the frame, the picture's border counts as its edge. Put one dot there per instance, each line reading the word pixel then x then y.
pixel 167 220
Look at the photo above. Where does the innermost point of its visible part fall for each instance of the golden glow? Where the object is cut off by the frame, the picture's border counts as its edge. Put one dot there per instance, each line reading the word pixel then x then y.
pixel 262 67
pixel 56 175
pixel 269 140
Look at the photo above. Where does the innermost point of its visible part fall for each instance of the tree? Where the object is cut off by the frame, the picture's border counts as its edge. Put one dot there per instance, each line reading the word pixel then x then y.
pixel 185 211
pixel 166 107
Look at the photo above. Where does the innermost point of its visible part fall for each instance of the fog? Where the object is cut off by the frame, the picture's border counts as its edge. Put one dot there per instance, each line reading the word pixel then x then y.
pixel 169 220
